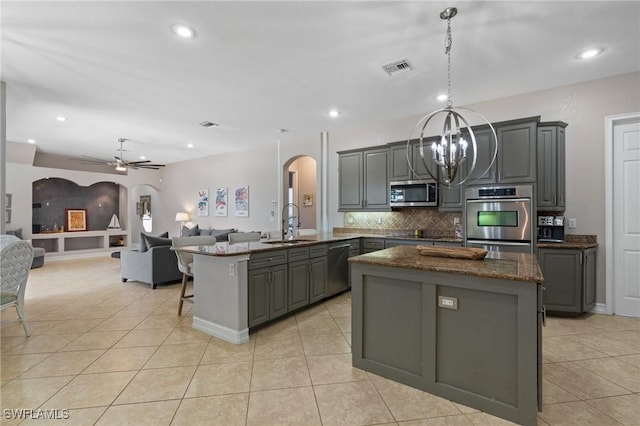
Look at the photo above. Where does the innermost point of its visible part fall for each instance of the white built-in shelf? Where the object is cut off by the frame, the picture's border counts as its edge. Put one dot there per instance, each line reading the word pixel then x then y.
pixel 58 243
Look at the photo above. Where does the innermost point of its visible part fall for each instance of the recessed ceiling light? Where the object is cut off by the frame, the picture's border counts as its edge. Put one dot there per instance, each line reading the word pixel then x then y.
pixel 183 31
pixel 590 53
pixel 142 157
pixel 189 145
pixel 334 113
pixel 61 118
pixel 442 97
pixel 31 140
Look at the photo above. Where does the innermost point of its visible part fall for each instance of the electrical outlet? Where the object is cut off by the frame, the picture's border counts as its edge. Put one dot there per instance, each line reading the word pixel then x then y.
pixel 572 222
pixel 349 220
pixel 379 221
pixel 456 220
pixel 232 269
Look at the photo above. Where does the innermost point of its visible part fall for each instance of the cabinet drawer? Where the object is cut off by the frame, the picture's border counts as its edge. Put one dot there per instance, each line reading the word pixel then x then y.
pixel 318 251
pixel 373 244
pixel 298 253
pixel 268 258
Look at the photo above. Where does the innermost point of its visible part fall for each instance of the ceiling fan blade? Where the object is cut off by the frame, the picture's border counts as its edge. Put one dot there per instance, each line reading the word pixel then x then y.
pixel 94 158
pixel 138 162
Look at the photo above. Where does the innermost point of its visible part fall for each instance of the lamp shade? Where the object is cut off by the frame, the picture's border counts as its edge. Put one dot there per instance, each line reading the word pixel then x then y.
pixel 182 217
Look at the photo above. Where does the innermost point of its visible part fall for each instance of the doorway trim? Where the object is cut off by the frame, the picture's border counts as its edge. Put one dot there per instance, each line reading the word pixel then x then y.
pixel 609 123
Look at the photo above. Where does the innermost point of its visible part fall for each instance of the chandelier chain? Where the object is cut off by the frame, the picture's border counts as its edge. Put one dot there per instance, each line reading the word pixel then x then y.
pixel 448 43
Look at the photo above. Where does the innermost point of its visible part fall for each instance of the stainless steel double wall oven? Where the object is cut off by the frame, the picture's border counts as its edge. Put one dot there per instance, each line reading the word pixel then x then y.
pixel 500 218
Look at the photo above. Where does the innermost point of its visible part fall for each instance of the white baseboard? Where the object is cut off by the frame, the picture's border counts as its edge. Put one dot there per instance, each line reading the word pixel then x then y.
pixel 227 334
pixel 600 308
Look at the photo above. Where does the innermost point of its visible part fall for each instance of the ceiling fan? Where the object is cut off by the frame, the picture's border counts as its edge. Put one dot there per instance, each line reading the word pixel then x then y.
pixel 120 163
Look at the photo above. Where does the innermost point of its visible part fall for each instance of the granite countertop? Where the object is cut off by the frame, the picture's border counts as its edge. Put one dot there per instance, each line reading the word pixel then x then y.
pixel 572 241
pixel 224 248
pixel 509 266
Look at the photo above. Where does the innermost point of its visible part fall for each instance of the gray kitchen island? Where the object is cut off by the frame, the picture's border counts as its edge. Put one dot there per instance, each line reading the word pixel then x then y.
pixel 466 330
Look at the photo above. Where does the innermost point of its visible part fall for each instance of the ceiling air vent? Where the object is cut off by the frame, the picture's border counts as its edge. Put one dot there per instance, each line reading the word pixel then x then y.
pixel 208 124
pixel 397 67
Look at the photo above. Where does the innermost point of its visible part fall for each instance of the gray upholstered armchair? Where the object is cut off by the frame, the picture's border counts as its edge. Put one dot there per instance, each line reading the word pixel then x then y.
pixel 153 263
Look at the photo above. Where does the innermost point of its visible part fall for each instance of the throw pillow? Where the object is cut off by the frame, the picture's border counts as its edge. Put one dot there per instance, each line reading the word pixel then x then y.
pixel 205 231
pixel 222 234
pixel 152 241
pixel 143 242
pixel 190 232
pixel 17 233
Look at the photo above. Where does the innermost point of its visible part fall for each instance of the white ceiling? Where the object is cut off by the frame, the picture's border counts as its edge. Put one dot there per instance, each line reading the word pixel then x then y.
pixel 115 69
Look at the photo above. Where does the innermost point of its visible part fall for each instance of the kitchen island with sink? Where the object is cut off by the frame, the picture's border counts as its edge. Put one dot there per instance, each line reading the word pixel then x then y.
pixel 466 330
pixel 243 285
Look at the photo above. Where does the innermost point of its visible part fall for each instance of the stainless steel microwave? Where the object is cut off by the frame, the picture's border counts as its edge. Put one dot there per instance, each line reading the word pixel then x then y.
pixel 413 193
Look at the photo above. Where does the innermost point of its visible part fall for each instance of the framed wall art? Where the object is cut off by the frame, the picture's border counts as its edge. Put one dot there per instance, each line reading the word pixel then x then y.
pixel 242 201
pixel 203 202
pixel 222 200
pixel 76 220
pixel 307 200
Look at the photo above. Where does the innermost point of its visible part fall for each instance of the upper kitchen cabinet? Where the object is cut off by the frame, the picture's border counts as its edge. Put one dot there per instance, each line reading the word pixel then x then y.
pixel 551 166
pixel 363 181
pixel 400 160
pixel 516 159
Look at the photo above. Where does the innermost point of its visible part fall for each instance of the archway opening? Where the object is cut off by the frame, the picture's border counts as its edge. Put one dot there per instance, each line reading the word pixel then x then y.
pixel 300 193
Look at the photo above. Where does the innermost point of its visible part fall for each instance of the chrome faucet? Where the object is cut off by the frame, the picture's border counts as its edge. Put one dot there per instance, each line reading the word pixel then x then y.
pixel 291 220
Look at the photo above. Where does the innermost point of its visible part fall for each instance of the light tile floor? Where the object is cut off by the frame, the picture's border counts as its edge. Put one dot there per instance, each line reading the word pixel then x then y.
pixel 116 353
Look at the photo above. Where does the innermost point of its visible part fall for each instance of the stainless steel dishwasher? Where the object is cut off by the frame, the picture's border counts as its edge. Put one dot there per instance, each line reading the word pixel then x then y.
pixel 338 276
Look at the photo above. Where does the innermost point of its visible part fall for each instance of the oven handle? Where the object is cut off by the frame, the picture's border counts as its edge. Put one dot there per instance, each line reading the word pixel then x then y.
pixel 485 200
pixel 499 243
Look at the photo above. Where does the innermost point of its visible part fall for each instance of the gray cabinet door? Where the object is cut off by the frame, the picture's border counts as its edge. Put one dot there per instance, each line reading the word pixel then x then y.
pixel 376 179
pixel 517 152
pixel 485 145
pixel 399 164
pixel 317 278
pixel 551 167
pixel 278 291
pixel 350 185
pixel 258 296
pixel 416 161
pixel 298 282
pixel 589 277
pixel 562 271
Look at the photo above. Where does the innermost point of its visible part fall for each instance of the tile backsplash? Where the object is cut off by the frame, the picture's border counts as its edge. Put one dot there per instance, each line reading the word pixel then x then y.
pixel 431 222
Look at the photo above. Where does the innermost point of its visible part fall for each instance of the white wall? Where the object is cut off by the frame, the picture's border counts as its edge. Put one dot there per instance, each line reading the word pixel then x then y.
pixel 257 168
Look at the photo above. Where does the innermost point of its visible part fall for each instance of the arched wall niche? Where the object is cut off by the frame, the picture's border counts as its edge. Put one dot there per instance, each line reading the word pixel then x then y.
pixel 150 194
pixel 52 196
pixel 300 175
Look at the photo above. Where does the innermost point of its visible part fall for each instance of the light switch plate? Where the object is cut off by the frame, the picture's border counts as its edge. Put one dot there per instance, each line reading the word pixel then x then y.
pixel 572 222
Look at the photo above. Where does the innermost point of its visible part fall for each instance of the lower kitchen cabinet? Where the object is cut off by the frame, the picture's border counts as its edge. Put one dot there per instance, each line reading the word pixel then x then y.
pixel 267 294
pixel 317 279
pixel 298 284
pixel 267 286
pixel 569 279
pixel 372 244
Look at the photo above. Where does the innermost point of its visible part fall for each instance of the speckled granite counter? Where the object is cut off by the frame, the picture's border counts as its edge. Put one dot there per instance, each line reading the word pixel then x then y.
pixel 579 242
pixel 224 248
pixel 509 266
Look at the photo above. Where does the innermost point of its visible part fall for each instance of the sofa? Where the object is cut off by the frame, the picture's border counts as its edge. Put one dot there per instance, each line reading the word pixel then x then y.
pixel 38 252
pixel 153 263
